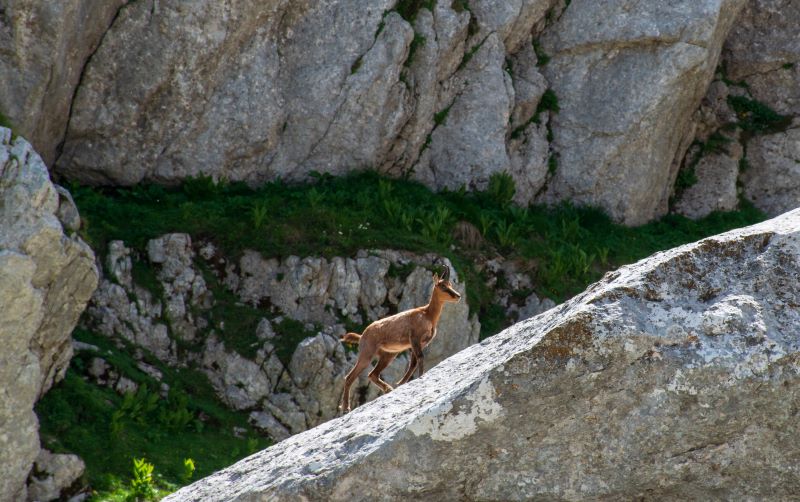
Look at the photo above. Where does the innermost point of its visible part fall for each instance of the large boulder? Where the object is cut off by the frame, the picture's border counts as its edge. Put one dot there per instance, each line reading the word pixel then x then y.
pixel 628 75
pixel 677 377
pixel 46 279
pixel 45 46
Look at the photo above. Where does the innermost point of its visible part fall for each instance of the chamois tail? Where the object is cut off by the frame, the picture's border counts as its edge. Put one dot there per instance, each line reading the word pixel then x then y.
pixel 350 338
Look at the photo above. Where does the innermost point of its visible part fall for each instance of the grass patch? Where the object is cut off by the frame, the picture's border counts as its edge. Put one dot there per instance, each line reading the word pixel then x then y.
pixel 364 210
pixel 108 430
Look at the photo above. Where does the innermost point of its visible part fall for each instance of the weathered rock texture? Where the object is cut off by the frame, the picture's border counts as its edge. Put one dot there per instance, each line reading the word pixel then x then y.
pixel 43 49
pixel 46 279
pixel 629 75
pixel 772 180
pixel 761 63
pixel 677 377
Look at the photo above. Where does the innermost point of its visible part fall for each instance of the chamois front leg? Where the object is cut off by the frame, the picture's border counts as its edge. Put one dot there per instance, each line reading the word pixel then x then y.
pixel 412 365
pixel 416 348
pixel 375 375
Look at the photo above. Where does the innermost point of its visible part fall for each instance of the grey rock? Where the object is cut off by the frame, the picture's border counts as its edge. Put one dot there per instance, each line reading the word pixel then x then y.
pixel 772 181
pixel 513 20
pixel 52 473
pixel 224 90
pixel 469 145
pixel 45 47
pixel 67 210
pixel 269 424
pixel 238 381
pixel 763 49
pixel 125 385
pixel 46 279
pixel 672 378
pixel 628 76
pixel 534 306
pixel 715 189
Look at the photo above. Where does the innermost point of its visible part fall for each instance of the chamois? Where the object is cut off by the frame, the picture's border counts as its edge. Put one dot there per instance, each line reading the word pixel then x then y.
pixel 411 329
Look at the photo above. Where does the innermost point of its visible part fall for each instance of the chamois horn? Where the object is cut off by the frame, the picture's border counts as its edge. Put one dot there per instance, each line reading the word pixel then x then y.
pixel 446 273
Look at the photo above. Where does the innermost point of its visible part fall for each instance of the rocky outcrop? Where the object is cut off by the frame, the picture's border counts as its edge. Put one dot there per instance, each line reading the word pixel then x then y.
pixel 628 76
pixel 772 180
pixel 46 278
pixel 717 174
pixel 763 50
pixel 52 474
pixel 45 46
pixel 759 67
pixel 286 389
pixel 677 377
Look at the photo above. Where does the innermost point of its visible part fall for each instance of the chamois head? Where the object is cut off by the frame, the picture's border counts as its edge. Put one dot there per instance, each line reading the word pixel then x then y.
pixel 443 288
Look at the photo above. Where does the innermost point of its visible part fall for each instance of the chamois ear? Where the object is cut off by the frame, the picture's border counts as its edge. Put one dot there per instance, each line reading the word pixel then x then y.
pixel 435 277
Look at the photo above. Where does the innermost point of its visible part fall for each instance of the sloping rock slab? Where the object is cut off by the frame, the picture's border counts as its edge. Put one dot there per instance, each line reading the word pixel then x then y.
pixel 673 378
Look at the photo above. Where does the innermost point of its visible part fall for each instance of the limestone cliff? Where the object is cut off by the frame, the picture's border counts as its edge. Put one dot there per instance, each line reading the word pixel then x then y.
pixel 46 279
pixel 593 104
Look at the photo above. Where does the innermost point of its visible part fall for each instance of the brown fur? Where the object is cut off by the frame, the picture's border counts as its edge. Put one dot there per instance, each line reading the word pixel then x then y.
pixel 388 337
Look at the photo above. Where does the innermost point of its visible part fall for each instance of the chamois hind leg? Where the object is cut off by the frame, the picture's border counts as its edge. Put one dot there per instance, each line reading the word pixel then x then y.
pixel 412 365
pixel 364 358
pixel 385 359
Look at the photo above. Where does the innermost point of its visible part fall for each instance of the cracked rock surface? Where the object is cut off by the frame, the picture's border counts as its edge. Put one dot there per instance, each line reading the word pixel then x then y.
pixel 677 377
pixel 46 279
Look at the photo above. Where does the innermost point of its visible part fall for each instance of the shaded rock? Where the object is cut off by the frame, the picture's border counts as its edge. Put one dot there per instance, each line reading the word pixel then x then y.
pixel 772 180
pixel 715 189
pixel 45 47
pixel 628 76
pixel 673 378
pixel 46 278
pixel 53 473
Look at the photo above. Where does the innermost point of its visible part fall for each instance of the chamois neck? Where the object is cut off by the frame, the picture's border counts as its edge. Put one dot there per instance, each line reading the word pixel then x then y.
pixel 434 307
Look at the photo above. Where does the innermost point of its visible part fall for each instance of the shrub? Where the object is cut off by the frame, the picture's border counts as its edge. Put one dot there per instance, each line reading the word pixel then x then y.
pixel 142 486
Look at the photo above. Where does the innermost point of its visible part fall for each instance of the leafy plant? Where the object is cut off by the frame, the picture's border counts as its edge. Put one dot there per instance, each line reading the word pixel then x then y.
pixel 506 234
pixel 188 470
pixel 259 213
pixel 434 224
pixel 142 486
pixel 501 188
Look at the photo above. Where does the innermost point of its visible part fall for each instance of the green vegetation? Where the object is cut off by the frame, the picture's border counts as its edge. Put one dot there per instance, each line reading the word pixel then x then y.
pixel 441 116
pixel 541 57
pixel 417 42
pixel 363 210
pixel 756 117
pixel 108 430
pixel 409 9
pixel 357 63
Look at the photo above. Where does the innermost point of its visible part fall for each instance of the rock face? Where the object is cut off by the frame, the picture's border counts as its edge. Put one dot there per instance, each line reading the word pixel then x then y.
pixel 45 46
pixel 677 377
pixel 46 279
pixel 763 49
pixel 447 94
pixel 773 180
pixel 629 75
